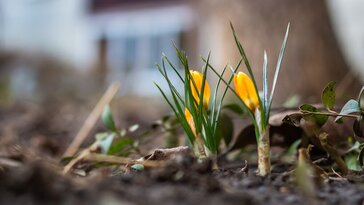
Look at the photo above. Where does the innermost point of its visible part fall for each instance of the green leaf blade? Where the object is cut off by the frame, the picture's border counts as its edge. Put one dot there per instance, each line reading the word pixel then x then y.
pixel 352 106
pixel 278 67
pixel 137 167
pixel 328 95
pixel 315 115
pixel 119 145
pixel 105 141
pixel 265 83
pixel 108 119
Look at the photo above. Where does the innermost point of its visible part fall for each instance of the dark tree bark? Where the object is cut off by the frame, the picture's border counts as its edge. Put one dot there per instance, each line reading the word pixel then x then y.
pixel 312 58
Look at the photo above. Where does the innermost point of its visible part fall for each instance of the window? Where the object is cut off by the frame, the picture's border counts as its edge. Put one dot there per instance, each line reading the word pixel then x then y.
pixel 135 42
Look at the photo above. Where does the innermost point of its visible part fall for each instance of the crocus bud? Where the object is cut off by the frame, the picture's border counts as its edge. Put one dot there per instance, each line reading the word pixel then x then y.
pixel 196 88
pixel 245 89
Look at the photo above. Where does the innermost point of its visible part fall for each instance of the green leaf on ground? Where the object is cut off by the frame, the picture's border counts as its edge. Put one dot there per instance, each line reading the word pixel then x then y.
pixel 292 149
pixel 119 145
pixel 352 162
pixel 361 156
pixel 105 140
pixel 138 167
pixel 133 128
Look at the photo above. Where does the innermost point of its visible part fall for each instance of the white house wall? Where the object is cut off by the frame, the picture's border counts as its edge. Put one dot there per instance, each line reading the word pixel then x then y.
pixel 58 27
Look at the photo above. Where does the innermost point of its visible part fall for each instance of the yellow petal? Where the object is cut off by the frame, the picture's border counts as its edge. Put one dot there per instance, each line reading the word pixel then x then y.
pixel 190 121
pixel 245 89
pixel 197 77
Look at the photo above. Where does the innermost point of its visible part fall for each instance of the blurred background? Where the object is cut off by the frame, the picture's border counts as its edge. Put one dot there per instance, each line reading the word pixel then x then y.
pixel 54 49
pixel 57 57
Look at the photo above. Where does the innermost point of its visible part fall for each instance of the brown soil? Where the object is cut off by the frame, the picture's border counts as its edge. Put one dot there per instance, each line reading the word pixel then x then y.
pixel 31 176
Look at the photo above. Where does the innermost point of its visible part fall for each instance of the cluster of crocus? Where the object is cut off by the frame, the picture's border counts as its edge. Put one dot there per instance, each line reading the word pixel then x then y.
pixel 200 122
pixel 198 108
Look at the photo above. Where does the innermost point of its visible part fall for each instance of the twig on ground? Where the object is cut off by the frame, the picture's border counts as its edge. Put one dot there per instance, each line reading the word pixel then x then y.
pixel 333 153
pixel 6 162
pixel 80 157
pixel 245 168
pixel 89 155
pixel 122 160
pixel 91 120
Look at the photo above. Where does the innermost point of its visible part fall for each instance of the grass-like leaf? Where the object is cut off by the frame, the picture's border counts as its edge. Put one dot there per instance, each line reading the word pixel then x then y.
pixel 243 55
pixel 181 118
pixel 214 98
pixel 170 85
pixel 263 117
pixel 265 83
pixel 278 67
pixel 224 94
pixel 173 67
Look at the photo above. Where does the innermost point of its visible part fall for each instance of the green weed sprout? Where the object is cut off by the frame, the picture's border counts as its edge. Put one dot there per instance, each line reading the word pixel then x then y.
pixel 115 140
pixel 258 108
pixel 353 108
pixel 197 110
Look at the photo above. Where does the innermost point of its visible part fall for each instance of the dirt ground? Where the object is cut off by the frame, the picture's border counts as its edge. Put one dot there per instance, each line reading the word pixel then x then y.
pixel 32 140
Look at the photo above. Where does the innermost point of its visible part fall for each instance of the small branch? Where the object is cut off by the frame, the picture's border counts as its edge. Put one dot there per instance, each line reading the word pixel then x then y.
pixel 332 113
pixel 333 153
pixel 6 162
pixel 91 120
pixel 80 157
pixel 122 160
pixel 90 155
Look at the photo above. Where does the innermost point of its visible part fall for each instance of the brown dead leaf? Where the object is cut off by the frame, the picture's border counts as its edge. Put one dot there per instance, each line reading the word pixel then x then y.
pixel 166 154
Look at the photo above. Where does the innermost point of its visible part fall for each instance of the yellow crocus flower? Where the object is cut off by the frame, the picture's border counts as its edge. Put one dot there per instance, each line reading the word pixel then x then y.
pixel 190 121
pixel 245 89
pixel 197 78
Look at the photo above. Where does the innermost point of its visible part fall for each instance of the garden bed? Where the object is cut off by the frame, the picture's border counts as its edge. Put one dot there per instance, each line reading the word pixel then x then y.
pixel 31 174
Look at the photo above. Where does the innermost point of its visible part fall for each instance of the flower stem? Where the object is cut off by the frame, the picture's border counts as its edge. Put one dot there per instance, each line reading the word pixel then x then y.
pixel 264 152
pixel 199 147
